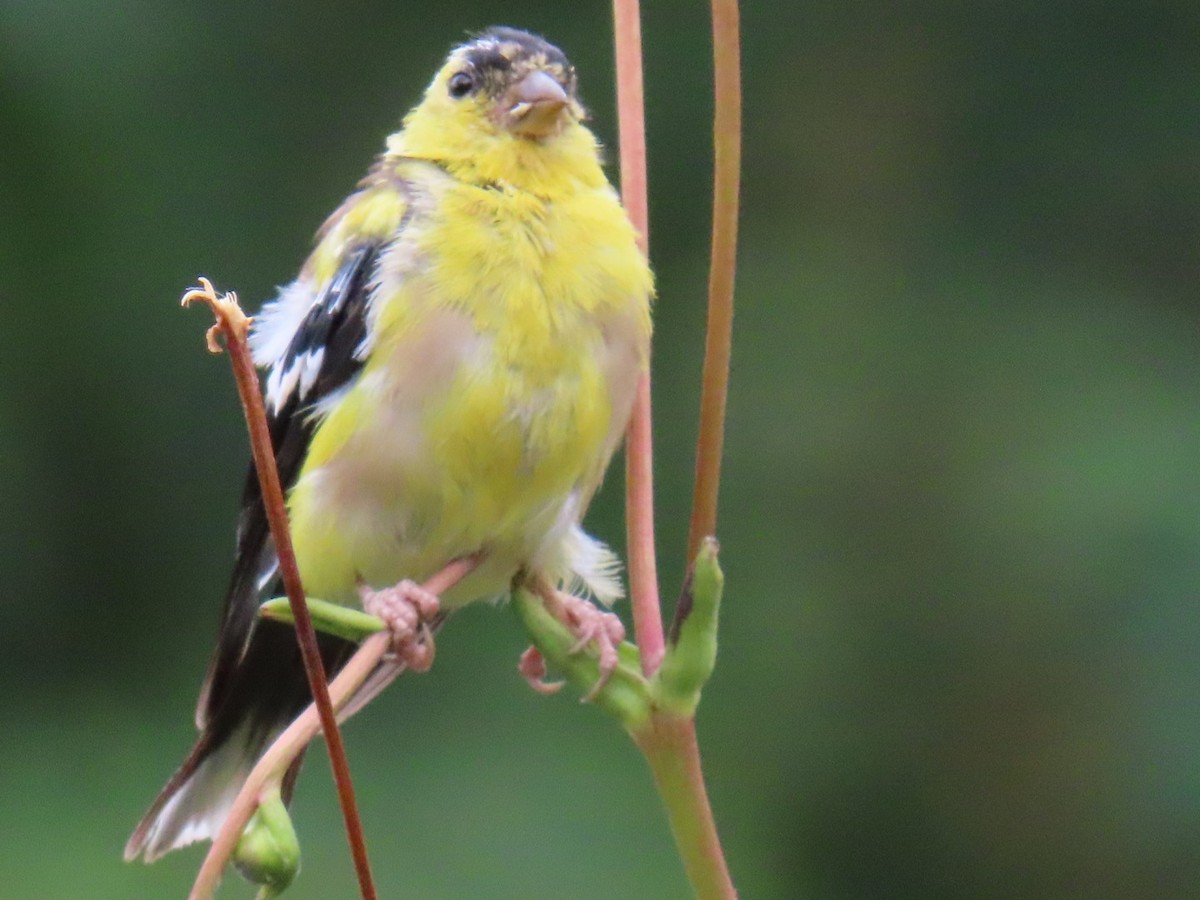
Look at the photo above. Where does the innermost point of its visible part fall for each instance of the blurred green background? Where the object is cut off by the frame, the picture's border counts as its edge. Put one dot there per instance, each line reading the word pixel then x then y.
pixel 961 513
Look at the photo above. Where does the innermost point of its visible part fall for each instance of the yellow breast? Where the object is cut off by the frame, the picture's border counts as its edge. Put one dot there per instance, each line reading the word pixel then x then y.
pixel 490 395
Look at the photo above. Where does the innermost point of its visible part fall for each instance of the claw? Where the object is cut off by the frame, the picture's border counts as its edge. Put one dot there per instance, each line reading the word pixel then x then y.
pixel 406 609
pixel 592 626
pixel 533 669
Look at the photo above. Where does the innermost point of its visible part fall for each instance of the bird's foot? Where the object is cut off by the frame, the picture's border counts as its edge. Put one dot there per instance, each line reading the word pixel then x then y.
pixel 590 625
pixel 408 611
pixel 533 669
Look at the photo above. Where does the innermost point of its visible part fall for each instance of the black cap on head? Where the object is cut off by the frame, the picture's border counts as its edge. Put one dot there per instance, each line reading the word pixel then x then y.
pixel 530 45
pixel 500 55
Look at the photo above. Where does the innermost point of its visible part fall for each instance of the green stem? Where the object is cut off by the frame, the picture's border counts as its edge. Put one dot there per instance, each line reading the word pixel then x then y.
pixel 658 713
pixel 670 746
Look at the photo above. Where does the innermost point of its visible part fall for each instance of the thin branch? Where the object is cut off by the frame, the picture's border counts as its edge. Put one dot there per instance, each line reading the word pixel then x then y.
pixel 670 746
pixel 275 761
pixel 631 117
pixel 639 464
pixel 235 326
pixel 667 740
pixel 727 155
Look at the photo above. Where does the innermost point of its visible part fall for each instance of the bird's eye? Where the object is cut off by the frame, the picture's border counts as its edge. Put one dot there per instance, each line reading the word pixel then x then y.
pixel 461 84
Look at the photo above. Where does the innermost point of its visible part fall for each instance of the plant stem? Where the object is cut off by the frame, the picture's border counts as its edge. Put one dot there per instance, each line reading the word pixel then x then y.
pixel 670 746
pixel 272 497
pixel 727 154
pixel 669 741
pixel 631 118
pixel 639 465
pixel 275 761
pixel 234 326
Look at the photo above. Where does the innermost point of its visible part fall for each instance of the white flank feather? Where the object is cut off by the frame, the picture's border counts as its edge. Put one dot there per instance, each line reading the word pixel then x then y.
pixel 277 322
pixel 594 568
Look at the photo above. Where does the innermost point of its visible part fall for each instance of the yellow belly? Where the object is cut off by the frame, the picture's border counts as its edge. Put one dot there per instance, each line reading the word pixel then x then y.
pixel 483 415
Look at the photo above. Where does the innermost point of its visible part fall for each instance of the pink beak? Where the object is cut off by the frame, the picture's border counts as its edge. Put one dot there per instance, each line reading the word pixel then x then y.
pixel 537 102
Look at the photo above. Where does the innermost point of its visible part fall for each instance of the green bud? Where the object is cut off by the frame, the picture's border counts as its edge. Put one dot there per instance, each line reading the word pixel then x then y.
pixel 625 695
pixel 692 644
pixel 268 852
pixel 330 618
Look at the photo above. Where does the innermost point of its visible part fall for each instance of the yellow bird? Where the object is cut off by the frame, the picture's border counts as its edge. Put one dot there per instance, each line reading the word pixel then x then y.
pixel 449 375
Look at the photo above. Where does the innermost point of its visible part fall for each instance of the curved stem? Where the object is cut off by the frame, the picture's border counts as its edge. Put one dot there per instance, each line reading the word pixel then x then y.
pixel 667 740
pixel 727 153
pixel 234 325
pixel 639 466
pixel 272 764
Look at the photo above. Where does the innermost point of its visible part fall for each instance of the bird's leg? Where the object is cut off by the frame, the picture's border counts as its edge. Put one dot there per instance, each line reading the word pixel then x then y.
pixel 590 625
pixel 407 609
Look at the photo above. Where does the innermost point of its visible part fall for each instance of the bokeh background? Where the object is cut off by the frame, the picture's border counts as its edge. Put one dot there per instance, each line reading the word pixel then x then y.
pixel 961 526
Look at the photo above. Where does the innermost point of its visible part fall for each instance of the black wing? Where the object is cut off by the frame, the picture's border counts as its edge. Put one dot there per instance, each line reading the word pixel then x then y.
pixel 254 661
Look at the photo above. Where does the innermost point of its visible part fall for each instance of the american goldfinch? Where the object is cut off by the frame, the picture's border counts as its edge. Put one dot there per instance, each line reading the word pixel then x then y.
pixel 449 375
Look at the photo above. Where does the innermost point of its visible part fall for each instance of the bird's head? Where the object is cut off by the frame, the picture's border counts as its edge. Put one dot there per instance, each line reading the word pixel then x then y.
pixel 503 106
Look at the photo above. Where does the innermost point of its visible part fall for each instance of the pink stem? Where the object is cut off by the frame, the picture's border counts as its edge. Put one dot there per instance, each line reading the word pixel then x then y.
pixel 639 465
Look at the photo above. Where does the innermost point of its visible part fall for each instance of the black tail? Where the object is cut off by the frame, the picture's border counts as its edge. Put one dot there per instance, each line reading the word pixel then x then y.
pixel 268 689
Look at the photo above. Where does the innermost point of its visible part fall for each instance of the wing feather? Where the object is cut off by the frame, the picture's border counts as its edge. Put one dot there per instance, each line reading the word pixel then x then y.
pixel 323 357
